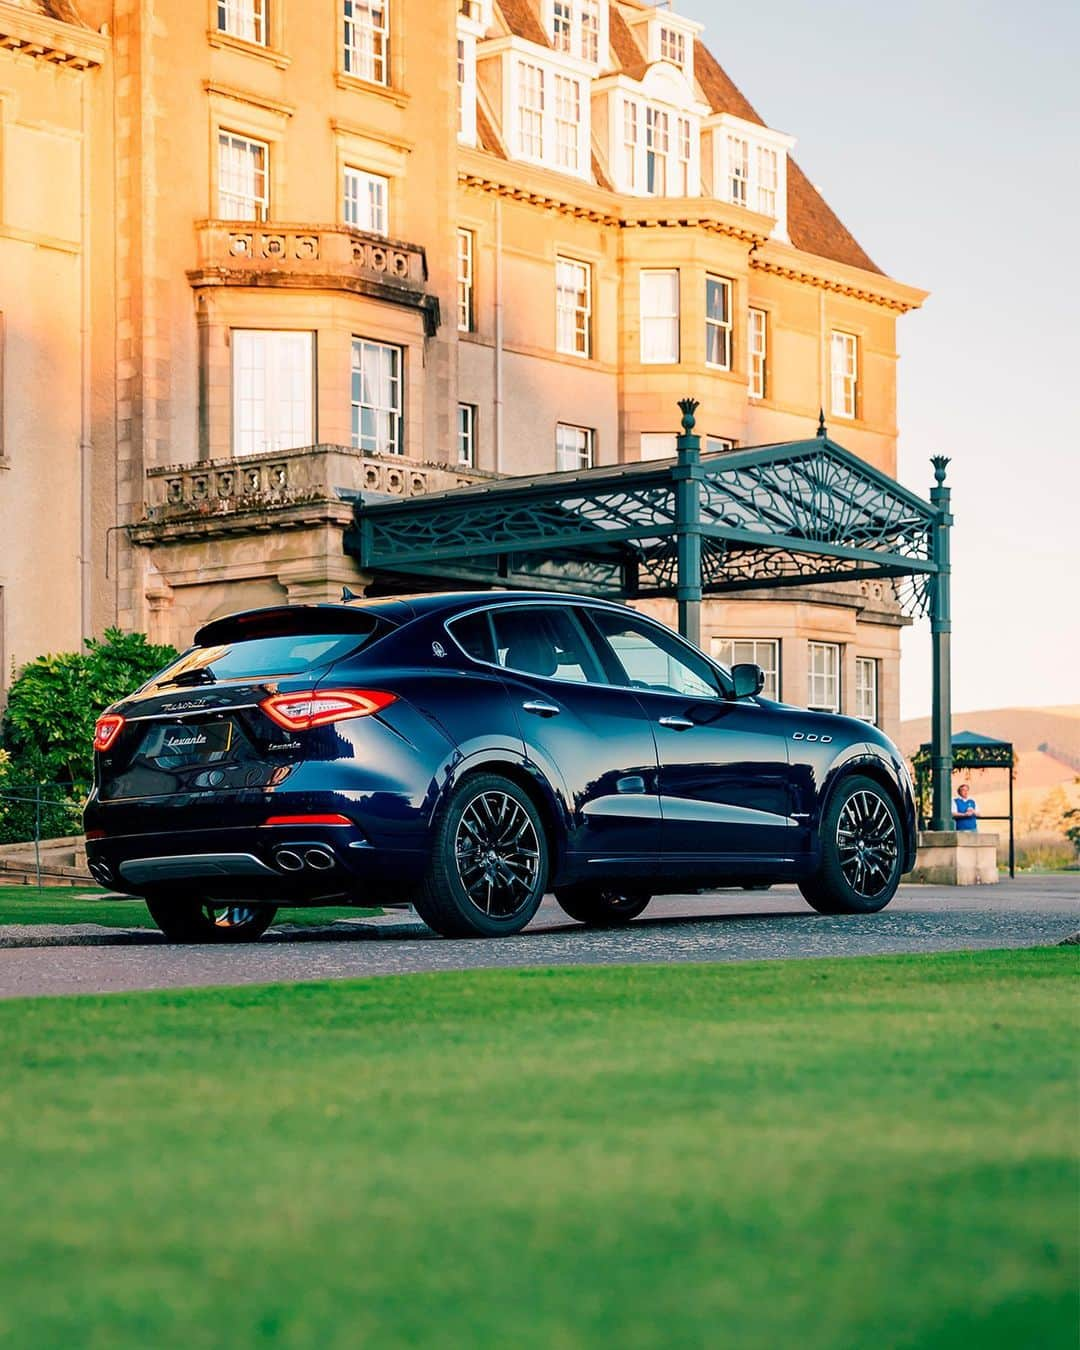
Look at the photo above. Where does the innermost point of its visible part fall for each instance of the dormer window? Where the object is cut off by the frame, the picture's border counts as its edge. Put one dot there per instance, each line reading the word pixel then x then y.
pixel 750 167
pixel 657 150
pixel 545 108
pixel 673 46
pixel 530 110
pixel 473 18
pixel 577 27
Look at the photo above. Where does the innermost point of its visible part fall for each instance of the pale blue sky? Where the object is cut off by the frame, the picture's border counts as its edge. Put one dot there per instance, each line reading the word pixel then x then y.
pixel 946 136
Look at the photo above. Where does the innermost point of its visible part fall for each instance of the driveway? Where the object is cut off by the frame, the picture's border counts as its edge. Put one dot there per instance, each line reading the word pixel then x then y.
pixel 719 926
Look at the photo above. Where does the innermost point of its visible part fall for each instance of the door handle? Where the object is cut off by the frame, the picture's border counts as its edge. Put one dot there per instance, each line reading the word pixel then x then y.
pixel 676 723
pixel 540 708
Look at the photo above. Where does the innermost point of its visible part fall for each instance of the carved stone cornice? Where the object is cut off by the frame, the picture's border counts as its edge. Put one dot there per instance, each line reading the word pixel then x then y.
pixel 50 40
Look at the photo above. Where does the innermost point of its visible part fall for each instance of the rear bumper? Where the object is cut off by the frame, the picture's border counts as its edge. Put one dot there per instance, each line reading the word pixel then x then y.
pixel 289 865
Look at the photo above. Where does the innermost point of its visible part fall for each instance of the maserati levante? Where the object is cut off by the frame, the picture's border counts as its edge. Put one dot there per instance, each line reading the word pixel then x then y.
pixel 467 753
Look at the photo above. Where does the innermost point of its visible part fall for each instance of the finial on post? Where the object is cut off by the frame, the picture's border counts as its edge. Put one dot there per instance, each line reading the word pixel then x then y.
pixel 940 463
pixel 822 430
pixel 689 406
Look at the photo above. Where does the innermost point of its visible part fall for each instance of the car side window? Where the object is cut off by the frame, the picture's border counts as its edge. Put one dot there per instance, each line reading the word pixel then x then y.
pixel 543 640
pixel 472 633
pixel 650 658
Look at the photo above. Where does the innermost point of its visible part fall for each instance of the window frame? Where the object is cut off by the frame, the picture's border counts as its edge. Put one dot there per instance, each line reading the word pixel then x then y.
pixel 567 142
pixel 675 40
pixel 863 664
pixel 534 112
pixel 571 613
pixel 466 280
pixel 466 434
pixel 738 174
pixel 847 378
pixel 812 675
pixel 772 670
pixel 271 380
pixel 724 326
pixel 589 451
pixel 260 20
pixel 261 204
pixel 680 650
pixel 674 319
pixel 578 315
pixel 757 357
pixel 366 178
pixel 353 54
pixel 356 407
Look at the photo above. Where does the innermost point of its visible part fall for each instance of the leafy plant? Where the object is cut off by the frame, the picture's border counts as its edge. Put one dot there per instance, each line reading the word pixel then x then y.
pixel 55 701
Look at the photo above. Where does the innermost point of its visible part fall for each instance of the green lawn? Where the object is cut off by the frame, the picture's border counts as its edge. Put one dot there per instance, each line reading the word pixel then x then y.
pixel 58 904
pixel 812 1154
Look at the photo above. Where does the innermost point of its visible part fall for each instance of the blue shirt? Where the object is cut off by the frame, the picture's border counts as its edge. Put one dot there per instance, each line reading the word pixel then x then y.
pixel 965 807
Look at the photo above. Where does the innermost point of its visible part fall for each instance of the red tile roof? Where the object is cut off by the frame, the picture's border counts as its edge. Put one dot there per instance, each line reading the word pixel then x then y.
pixel 523 21
pixel 485 133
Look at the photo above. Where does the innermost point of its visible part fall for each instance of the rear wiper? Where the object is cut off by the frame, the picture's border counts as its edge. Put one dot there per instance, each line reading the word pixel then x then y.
pixel 201 675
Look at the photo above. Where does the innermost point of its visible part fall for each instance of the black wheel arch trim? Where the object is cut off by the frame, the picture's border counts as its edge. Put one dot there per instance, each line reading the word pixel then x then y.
pixel 874 762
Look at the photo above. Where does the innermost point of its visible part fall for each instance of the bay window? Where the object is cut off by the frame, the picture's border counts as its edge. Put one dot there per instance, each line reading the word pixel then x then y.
pixel 659 312
pixel 273 375
pixel 763 652
pixel 718 322
pixel 823 670
pixel 377 406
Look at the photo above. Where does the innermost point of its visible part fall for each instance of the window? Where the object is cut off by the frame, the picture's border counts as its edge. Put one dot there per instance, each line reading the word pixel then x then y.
pixel 658 445
pixel 573 447
pixel 367 197
pixel 630 143
pixel 637 653
pixel 273 383
pixel 590 30
pixel 376 397
pixel 716 444
pixel 656 151
pixel 243 186
pixel 768 177
pixel 465 313
pixel 461 74
pixel 466 434
pixel 673 46
pixel 823 689
pixel 659 317
pixel 543 640
pixel 763 652
pixel 530 110
pixel 567 121
pixel 473 635
pixel 367 39
pixel 573 307
pixel 844 367
pixel 683 157
pixel 562 25
pixel 718 322
pixel 866 702
pixel 756 340
pixel 738 169
pixel 243 19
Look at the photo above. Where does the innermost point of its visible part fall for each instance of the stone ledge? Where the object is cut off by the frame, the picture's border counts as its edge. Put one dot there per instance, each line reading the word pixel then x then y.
pixel 955 858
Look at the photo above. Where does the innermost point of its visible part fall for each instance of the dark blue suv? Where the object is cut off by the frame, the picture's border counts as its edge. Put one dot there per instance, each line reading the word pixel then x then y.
pixel 465 753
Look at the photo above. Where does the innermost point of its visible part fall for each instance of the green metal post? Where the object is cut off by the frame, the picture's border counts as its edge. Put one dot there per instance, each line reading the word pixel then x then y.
pixel 941 757
pixel 688 524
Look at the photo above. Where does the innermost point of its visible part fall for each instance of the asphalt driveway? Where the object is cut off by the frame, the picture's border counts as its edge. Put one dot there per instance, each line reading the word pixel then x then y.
pixel 719 926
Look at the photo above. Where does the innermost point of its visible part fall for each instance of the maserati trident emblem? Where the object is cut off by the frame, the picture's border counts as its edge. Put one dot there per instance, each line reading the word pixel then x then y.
pixel 438 649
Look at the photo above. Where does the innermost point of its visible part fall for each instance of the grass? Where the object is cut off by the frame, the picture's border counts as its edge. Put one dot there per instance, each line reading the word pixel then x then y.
pixel 836 1154
pixel 59 904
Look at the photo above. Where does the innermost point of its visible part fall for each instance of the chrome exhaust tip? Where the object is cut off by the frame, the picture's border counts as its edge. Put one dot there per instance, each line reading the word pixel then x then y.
pixel 289 861
pixel 319 859
pixel 101 872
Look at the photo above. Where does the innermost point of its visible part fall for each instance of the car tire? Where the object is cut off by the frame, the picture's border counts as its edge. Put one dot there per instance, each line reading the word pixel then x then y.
pixel 601 907
pixel 489 861
pixel 860 851
pixel 199 920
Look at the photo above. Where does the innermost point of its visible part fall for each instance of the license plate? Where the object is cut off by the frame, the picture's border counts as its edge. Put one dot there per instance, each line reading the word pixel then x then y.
pixel 190 743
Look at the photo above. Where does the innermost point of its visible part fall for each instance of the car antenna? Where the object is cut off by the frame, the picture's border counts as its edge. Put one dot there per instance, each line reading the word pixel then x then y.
pixel 347 595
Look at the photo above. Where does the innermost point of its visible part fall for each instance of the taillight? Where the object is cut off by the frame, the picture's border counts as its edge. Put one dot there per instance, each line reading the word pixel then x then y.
pixel 108 727
pixel 315 708
pixel 307 820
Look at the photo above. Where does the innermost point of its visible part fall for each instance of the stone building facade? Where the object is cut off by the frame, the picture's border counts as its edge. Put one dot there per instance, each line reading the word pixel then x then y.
pixel 392 246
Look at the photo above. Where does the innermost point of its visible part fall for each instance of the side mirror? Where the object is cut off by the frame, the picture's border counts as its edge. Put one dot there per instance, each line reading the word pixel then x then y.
pixel 748 679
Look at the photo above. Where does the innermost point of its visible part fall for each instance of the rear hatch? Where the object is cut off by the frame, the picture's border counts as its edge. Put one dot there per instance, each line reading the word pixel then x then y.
pixel 199 728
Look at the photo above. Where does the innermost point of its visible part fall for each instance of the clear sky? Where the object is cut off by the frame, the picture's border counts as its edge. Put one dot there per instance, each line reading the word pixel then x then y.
pixel 946 136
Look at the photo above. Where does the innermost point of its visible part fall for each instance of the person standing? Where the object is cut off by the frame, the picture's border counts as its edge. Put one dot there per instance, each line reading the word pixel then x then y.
pixel 965 811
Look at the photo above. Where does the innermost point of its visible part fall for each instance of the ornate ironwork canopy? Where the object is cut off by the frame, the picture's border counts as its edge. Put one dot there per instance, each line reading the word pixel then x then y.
pixel 776 515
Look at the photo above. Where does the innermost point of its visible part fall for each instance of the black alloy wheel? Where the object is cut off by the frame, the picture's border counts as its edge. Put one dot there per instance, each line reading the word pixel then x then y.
pixel 601 907
pixel 209 921
pixel 489 862
pixel 860 851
